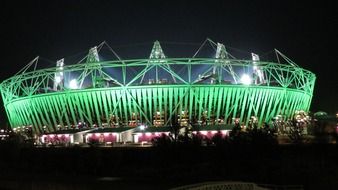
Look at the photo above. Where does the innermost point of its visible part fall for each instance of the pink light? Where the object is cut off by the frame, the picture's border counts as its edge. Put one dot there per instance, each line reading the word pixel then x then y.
pixel 204 132
pixel 194 132
pixel 114 134
pixel 105 134
pixel 224 132
pixel 157 134
pixel 51 136
pixel 89 135
pixel 139 134
pixel 59 136
pixel 213 132
pixel 66 135
pixel 97 134
pixel 148 134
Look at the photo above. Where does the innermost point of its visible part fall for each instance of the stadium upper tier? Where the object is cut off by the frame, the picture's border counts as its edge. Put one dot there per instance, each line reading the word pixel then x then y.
pixel 156 90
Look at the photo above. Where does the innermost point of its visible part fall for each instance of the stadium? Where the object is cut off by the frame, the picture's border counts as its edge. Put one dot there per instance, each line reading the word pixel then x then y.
pixel 157 91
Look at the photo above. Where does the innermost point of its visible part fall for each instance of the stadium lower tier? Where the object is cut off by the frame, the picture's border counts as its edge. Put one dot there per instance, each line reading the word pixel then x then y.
pixel 156 105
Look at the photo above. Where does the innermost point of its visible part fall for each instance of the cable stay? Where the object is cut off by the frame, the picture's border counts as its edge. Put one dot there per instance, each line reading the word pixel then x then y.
pixel 25 68
pixel 288 60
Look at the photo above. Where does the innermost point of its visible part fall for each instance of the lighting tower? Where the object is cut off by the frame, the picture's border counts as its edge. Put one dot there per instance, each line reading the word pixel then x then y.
pixel 258 73
pixel 156 56
pixel 58 78
pixel 222 57
pixel 92 57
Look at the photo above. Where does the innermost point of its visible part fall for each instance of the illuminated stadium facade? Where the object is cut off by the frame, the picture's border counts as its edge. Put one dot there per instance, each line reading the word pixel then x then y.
pixel 156 91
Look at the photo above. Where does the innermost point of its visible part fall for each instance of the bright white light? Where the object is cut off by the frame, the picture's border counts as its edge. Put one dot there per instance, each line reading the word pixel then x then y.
pixel 246 79
pixel 57 79
pixel 73 84
pixel 148 134
pixel 204 132
pixel 255 67
pixel 142 127
pixel 224 132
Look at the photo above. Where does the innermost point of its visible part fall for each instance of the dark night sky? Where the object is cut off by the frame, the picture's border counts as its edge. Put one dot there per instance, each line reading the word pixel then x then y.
pixel 305 32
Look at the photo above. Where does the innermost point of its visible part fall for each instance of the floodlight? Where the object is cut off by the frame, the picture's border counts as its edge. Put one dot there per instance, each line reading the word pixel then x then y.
pixel 73 84
pixel 246 79
pixel 57 79
pixel 142 127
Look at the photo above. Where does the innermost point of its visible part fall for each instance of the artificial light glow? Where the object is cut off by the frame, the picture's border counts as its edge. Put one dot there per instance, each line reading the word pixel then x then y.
pixel 204 132
pixel 57 79
pixel 142 127
pixel 148 134
pixel 246 79
pixel 73 84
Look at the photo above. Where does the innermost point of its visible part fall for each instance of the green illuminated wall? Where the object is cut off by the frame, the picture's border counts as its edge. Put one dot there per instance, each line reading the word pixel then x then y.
pixel 96 105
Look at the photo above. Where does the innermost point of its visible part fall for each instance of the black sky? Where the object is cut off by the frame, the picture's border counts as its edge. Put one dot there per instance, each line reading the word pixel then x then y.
pixel 305 32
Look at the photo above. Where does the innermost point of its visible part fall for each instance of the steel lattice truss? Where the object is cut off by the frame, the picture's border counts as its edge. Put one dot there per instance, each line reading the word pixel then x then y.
pixel 155 89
